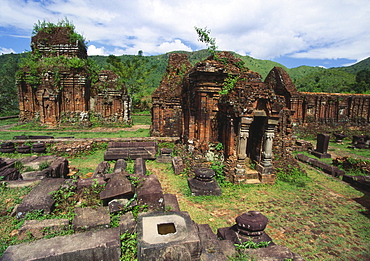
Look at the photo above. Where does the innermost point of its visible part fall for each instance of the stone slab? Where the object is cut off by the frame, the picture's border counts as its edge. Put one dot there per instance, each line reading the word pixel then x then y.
pixel 88 218
pixel 35 228
pixel 127 223
pixel 272 253
pixel 99 245
pixel 20 183
pixel 40 197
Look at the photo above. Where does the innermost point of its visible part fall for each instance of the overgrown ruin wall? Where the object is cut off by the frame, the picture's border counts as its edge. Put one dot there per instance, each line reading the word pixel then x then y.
pixel 327 108
pixel 59 91
pixel 109 101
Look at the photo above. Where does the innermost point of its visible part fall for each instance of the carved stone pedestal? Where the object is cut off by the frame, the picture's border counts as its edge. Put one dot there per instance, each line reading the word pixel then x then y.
pixel 204 184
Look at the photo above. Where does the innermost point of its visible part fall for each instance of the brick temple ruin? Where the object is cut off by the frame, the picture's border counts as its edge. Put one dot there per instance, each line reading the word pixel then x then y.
pixel 253 121
pixel 64 94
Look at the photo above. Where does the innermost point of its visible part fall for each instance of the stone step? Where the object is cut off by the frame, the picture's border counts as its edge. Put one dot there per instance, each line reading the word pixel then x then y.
pixel 252 181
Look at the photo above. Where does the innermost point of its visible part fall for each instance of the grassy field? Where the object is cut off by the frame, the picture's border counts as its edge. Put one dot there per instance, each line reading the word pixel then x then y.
pixel 142 121
pixel 320 221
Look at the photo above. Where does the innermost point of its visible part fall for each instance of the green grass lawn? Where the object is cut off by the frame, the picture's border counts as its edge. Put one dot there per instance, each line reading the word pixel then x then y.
pixel 8 121
pixel 320 221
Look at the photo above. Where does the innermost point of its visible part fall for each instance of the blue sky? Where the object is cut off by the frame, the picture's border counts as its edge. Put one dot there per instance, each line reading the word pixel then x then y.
pixel 328 33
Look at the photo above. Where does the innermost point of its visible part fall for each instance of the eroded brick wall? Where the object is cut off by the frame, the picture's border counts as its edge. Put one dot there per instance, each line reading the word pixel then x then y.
pixel 63 94
pixel 166 100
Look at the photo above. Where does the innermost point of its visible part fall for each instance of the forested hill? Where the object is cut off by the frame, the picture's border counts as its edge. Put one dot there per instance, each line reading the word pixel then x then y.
pixel 354 78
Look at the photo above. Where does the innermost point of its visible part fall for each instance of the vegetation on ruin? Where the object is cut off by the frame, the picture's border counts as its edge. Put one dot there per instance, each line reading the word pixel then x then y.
pixel 315 221
pixel 34 66
pixel 49 28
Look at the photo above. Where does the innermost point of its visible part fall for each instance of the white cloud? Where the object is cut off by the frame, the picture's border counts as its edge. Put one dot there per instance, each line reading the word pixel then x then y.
pixel 93 50
pixel 263 29
pixel 4 50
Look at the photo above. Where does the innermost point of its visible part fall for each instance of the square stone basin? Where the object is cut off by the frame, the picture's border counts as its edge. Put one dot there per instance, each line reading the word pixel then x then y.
pixel 164 229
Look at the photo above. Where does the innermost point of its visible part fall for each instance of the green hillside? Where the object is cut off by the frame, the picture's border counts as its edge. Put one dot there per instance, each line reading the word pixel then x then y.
pixel 355 68
pixel 326 80
pixel 306 78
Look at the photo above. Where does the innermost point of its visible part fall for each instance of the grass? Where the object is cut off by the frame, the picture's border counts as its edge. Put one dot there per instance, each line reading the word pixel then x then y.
pixel 142 119
pixel 9 198
pixel 8 121
pixel 320 221
pixel 78 134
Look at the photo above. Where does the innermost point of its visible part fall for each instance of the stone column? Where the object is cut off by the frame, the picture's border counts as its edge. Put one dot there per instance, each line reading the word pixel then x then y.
pixel 244 126
pixel 267 150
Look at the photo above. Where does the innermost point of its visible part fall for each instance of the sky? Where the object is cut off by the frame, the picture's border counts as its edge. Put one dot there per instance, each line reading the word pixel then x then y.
pixel 327 33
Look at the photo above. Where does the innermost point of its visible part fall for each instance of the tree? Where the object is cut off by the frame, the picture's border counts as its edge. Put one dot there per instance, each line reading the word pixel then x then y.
pixel 8 89
pixel 133 72
pixel 362 84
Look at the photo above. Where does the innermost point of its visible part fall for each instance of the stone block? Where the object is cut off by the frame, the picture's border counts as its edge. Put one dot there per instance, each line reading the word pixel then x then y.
pixel 167 236
pixel 120 166
pixel 178 165
pixel 227 247
pixel 99 245
pixel 102 168
pixel 131 150
pixel 10 174
pixel 31 175
pixel 165 156
pixel 36 228
pixel 40 197
pixel 127 223
pixel 116 205
pixel 88 218
pixel 118 186
pixel 171 203
pixel 140 167
pixel 150 193
pixel 211 249
pixel 84 183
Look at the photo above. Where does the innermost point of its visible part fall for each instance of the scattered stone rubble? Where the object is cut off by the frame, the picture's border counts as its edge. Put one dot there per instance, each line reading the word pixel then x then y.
pixel 54 167
pixel 164 232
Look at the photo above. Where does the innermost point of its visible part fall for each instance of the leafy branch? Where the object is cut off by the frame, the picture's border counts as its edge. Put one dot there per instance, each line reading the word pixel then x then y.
pixel 204 37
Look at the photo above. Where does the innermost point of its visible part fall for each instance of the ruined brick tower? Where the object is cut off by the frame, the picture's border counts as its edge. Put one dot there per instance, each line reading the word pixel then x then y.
pixel 54 85
pixel 244 118
pixel 166 100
